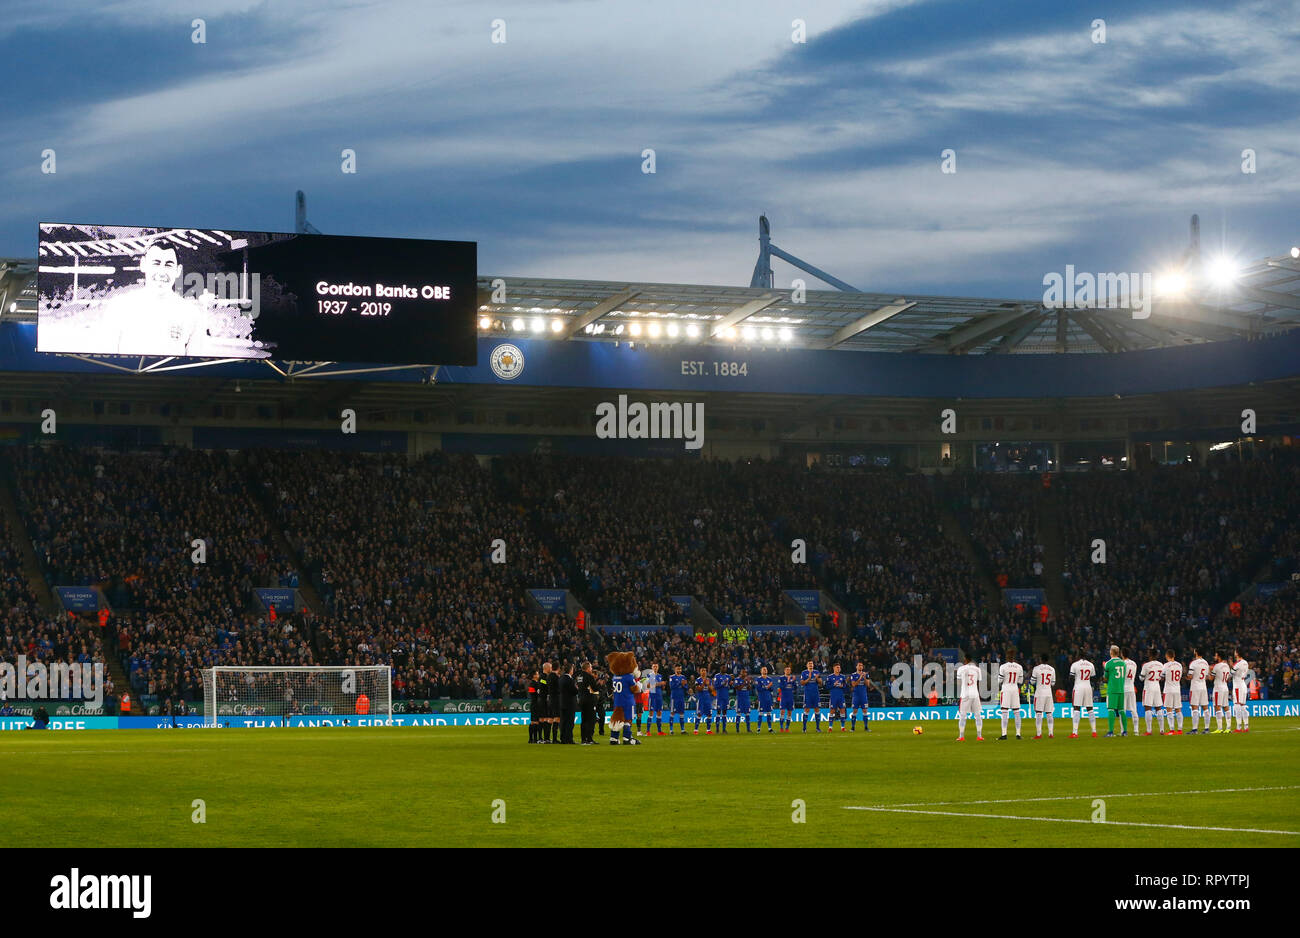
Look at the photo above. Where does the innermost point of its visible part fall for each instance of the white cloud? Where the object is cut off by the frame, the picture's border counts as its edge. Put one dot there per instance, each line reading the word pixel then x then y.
pixel 421 93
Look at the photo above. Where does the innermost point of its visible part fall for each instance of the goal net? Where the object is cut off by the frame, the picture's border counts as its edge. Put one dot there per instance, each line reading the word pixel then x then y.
pixel 288 692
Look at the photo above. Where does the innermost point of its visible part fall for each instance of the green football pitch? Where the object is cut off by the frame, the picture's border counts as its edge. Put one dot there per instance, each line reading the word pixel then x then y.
pixel 399 786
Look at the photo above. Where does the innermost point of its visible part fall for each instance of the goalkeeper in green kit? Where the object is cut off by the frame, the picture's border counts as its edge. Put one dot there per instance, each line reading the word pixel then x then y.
pixel 1114 671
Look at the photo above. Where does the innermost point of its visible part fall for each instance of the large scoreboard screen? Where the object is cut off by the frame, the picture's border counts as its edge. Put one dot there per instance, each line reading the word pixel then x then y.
pixel 200 293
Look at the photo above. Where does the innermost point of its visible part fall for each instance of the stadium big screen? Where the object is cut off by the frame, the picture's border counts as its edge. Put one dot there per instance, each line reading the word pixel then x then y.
pixel 201 293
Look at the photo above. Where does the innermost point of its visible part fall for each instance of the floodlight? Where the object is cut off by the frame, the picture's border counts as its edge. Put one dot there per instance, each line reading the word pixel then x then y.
pixel 1172 283
pixel 1222 271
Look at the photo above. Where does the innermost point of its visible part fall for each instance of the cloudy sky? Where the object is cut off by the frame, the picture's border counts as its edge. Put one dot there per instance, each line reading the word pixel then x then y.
pixel 1068 151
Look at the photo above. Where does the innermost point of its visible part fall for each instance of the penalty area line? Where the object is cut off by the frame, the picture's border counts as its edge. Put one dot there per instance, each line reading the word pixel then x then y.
pixel 1075 820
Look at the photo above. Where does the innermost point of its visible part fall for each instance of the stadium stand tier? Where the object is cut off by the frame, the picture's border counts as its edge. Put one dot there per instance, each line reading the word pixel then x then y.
pixel 400 553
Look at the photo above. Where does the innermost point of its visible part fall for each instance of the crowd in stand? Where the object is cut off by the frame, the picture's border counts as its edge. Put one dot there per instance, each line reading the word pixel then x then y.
pixel 1000 514
pixel 402 554
pixel 25 629
pixel 1268 635
pixel 636 533
pixel 877 542
pixel 1179 544
pixel 129 522
pixel 16 597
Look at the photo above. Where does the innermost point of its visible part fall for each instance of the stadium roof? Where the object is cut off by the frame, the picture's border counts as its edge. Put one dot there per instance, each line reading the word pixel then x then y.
pixel 17 289
pixel 1263 299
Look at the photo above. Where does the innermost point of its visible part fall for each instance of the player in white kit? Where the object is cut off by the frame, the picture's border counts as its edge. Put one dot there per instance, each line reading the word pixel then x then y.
pixel 1011 675
pixel 1173 703
pixel 1240 674
pixel 968 689
pixel 1152 699
pixel 1082 671
pixel 1222 695
pixel 1198 669
pixel 1130 693
pixel 1044 680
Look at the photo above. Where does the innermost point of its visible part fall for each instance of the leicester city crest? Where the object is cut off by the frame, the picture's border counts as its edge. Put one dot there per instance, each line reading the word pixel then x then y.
pixel 507 362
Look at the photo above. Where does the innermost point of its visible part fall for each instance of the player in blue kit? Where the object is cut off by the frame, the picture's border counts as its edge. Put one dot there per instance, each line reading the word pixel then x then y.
pixel 722 687
pixel 703 702
pixel 654 685
pixel 838 683
pixel 860 683
pixel 678 685
pixel 785 686
pixel 742 699
pixel 811 680
pixel 764 684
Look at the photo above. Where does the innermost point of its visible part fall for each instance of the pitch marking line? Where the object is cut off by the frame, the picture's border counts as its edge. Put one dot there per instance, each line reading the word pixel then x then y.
pixel 1075 820
pixel 1133 794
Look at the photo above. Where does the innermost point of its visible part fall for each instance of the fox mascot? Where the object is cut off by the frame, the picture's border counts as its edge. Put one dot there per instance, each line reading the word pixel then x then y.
pixel 624 676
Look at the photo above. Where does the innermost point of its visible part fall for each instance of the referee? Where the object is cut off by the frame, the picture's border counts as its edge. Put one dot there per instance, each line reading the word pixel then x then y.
pixel 545 688
pixel 534 709
pixel 551 681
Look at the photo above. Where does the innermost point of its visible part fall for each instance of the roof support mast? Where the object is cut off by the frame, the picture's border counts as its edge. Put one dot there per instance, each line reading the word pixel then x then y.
pixel 763 269
pixel 763 278
pixel 300 223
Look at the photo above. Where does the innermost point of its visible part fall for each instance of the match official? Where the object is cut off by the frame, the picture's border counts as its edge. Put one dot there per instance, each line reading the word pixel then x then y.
pixel 548 697
pixel 535 711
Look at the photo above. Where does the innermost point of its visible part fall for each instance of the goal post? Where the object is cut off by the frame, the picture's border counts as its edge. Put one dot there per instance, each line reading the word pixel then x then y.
pixel 301 691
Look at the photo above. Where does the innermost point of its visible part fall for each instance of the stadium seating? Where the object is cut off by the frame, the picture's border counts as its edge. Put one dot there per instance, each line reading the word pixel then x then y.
pixel 400 552
pixel 1000 513
pixel 635 533
pixel 126 521
pixel 25 628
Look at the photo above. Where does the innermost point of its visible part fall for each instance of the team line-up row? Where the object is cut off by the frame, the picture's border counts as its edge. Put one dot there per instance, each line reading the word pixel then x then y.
pixel 645 690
